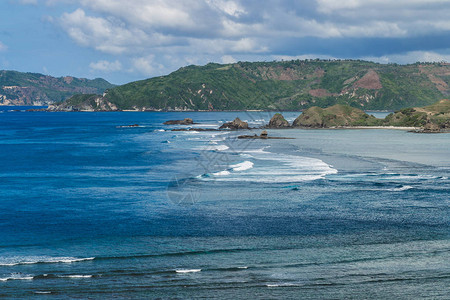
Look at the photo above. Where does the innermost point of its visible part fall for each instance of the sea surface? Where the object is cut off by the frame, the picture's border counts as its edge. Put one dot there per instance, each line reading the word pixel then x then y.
pixel 93 208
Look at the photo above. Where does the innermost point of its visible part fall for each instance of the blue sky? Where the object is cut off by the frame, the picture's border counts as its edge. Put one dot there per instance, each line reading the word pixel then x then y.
pixel 123 41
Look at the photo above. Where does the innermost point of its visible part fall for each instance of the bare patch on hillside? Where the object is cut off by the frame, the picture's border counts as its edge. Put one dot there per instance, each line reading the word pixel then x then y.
pixel 370 81
pixel 320 93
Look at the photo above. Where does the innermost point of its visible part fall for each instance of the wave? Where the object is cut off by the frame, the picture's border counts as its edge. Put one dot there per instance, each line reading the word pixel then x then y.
pixel 53 276
pixel 16 276
pixel 281 285
pixel 243 166
pixel 219 148
pixel 212 147
pixel 221 173
pixel 401 189
pixel 14 261
pixel 188 271
pixel 76 276
pixel 273 168
pixel 246 165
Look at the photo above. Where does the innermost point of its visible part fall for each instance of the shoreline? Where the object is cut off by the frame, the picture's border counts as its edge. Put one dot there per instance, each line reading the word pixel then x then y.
pixel 379 127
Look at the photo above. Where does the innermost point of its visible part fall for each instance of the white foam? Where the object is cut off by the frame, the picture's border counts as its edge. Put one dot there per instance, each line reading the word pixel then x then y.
pixel 280 168
pixel 280 285
pixel 13 261
pixel 214 148
pixel 188 271
pixel 42 292
pixel 160 130
pixel 246 165
pixel 221 173
pixel 400 189
pixel 76 276
pixel 17 276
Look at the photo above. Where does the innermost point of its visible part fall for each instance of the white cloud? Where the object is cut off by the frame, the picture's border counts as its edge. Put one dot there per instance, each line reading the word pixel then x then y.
pixel 410 57
pixel 228 59
pixel 145 32
pixel 146 65
pixel 106 35
pixel 106 66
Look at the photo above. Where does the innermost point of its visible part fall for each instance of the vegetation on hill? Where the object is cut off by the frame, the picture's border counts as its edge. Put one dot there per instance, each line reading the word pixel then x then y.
pixel 432 117
pixel 288 85
pixel 335 116
pixel 17 88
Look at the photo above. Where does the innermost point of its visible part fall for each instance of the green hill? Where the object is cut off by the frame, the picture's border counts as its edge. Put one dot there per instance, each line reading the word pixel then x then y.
pixel 17 88
pixel 288 85
pixel 433 117
pixel 335 116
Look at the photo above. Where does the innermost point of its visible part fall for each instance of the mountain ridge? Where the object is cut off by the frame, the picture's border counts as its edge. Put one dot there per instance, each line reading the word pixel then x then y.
pixel 26 88
pixel 287 85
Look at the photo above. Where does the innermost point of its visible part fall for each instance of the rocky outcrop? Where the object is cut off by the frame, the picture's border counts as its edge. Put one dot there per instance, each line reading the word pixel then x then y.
pixel 278 121
pixel 84 103
pixel 235 125
pixel 186 121
pixel 263 136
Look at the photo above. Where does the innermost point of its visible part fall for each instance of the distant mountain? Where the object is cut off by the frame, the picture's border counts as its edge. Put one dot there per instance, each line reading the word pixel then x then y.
pixel 17 88
pixel 288 85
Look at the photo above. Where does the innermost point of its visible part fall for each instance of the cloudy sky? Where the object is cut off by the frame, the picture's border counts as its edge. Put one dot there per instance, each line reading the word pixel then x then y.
pixel 123 41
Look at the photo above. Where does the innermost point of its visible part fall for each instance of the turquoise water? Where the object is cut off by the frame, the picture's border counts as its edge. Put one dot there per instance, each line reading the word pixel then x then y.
pixel 90 209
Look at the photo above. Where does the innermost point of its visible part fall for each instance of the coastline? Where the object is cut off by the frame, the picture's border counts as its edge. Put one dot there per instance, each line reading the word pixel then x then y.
pixel 378 127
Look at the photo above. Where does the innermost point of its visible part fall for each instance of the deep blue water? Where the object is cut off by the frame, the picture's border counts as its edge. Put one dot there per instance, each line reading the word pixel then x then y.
pixel 91 209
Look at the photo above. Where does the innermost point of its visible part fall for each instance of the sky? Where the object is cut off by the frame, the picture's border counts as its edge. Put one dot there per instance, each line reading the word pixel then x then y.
pixel 130 40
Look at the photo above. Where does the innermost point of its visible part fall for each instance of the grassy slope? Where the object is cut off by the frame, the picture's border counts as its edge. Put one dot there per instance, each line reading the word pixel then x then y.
pixel 284 86
pixel 335 116
pixel 437 114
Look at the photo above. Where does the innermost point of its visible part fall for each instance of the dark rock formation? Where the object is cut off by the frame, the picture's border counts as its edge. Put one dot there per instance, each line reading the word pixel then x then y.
pixel 430 128
pixel 186 121
pixel 128 126
pixel 235 125
pixel 195 129
pixel 278 121
pixel 263 136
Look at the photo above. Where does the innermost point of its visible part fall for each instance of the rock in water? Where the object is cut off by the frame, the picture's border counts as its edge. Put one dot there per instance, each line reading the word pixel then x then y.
pixel 186 121
pixel 278 121
pixel 236 124
pixel 264 134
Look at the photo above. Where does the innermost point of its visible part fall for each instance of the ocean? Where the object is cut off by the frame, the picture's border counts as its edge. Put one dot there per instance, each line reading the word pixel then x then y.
pixel 91 207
